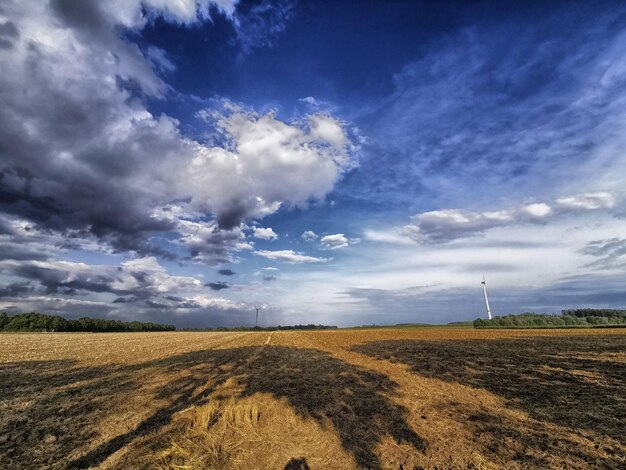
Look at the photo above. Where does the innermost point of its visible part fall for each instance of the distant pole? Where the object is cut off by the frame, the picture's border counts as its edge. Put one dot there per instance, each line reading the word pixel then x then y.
pixel 256 322
pixel 484 283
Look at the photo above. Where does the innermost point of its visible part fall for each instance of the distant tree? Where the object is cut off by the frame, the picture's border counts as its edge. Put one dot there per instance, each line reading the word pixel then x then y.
pixel 33 321
pixel 594 312
pixel 4 320
pixel 569 318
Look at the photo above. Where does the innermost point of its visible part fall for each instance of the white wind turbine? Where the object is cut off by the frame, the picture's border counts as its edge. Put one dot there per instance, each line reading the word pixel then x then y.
pixel 484 283
pixel 256 322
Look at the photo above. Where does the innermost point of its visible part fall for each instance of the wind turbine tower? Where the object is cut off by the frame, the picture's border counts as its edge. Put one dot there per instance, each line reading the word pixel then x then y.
pixel 484 283
pixel 256 322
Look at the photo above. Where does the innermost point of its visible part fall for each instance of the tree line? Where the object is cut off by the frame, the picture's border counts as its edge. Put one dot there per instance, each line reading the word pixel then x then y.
pixel 34 321
pixel 569 318
pixel 594 312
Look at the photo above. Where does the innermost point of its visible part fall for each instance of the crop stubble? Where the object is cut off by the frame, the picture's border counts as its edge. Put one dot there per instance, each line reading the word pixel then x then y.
pixel 322 399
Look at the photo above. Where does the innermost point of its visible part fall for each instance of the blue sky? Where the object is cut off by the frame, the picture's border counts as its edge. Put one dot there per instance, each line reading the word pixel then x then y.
pixel 338 162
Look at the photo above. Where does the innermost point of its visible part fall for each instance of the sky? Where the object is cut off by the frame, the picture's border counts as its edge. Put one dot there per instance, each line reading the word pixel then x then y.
pixel 340 163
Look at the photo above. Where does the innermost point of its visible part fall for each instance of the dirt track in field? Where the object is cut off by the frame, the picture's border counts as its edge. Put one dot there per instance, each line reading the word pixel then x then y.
pixel 348 399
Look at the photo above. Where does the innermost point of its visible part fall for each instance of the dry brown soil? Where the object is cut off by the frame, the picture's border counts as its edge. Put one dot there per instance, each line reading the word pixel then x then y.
pixel 397 399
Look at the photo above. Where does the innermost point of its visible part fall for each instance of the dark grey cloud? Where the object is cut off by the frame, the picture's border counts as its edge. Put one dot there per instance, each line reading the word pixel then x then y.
pixel 139 279
pixel 208 243
pixel 269 277
pixel 55 280
pixel 85 15
pixel 230 217
pixel 8 32
pixel 24 240
pixel 56 305
pixel 604 248
pixel 217 285
pixel 610 253
pixel 227 272
pixel 70 176
pixel 9 250
pixel 167 302
pixel 156 303
pixel 16 289
pixel 142 289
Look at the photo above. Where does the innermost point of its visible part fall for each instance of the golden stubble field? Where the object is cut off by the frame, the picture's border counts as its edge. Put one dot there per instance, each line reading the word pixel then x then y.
pixel 401 399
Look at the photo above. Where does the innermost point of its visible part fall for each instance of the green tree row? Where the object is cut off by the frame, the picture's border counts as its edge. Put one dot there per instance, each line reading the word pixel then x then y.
pixel 33 321
pixel 542 320
pixel 594 312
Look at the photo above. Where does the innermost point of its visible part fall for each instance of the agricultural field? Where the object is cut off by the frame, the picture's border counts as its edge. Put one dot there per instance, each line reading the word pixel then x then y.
pixel 345 399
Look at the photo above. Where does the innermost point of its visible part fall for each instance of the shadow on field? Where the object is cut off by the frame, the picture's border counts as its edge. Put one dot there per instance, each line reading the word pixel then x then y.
pixel 297 464
pixel 58 407
pixel 569 381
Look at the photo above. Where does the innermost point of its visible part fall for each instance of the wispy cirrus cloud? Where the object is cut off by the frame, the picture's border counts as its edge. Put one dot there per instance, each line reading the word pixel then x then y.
pixel 289 256
pixel 445 225
pixel 473 113
pixel 260 24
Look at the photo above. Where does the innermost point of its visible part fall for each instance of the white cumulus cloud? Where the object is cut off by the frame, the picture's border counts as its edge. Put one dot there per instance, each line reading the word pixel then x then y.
pixel 264 233
pixel 82 153
pixel 338 240
pixel 265 164
pixel 309 236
